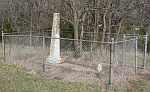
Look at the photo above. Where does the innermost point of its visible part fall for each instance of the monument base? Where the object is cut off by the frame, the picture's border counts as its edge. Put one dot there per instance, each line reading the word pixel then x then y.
pixel 52 60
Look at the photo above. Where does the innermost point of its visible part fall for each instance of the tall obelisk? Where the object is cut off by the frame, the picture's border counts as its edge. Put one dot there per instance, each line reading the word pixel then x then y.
pixel 54 57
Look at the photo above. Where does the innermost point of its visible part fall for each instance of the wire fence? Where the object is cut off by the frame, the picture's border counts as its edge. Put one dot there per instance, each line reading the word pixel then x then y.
pixel 118 59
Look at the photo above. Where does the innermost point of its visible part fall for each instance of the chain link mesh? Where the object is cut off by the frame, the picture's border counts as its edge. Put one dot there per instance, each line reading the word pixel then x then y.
pixel 119 61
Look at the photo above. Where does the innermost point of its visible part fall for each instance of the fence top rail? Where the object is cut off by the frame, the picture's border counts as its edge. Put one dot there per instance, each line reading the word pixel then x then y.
pixel 133 39
pixel 15 32
pixel 116 42
pixel 58 38
pixel 118 34
pixel 24 32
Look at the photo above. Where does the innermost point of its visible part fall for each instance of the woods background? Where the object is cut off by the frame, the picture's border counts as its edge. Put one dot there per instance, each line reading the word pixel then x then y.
pixel 77 16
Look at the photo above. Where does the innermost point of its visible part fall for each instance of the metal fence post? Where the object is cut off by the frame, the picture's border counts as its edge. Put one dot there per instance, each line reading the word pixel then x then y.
pixel 111 60
pixel 30 38
pixel 43 53
pixel 145 51
pixel 136 48
pixel 123 50
pixel 3 44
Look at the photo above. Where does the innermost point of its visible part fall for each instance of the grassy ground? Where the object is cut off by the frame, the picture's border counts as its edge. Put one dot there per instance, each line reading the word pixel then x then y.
pixel 148 60
pixel 14 79
pixel 141 85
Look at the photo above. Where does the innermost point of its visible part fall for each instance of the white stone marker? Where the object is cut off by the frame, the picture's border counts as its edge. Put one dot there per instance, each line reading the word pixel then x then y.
pixel 54 57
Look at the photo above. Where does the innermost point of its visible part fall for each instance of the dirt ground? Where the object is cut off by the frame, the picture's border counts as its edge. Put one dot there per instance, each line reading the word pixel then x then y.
pixel 72 70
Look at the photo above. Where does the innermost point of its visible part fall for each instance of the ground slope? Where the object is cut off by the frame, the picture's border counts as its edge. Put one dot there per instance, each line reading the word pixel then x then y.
pixel 14 79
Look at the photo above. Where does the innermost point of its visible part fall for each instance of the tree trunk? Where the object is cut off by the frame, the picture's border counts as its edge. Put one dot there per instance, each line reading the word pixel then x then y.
pixel 105 27
pixel 76 30
pixel 81 37
pixel 110 26
pixel 120 27
pixel 82 32
pixel 105 20
pixel 76 34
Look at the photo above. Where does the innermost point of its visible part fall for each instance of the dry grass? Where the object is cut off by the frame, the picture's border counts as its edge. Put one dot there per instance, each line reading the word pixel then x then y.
pixel 79 69
pixel 15 79
pixel 73 70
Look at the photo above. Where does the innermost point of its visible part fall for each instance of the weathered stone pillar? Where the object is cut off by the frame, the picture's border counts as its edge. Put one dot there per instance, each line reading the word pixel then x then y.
pixel 54 57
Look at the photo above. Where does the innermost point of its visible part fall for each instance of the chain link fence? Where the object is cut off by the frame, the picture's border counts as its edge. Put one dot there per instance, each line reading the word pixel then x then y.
pixel 118 60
